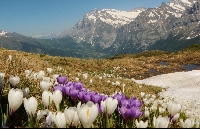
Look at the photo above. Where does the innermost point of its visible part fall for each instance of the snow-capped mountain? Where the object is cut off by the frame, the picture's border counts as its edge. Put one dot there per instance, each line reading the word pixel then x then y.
pixel 139 27
pixel 3 33
pixel 54 34
pixel 114 17
pixel 150 26
pixel 99 26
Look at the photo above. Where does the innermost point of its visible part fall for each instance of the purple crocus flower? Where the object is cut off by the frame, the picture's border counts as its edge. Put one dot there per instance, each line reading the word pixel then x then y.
pixel 84 89
pixel 135 103
pixel 87 97
pixel 61 79
pixel 81 95
pixel 70 83
pixel 135 113
pixel 61 88
pixel 124 102
pixel 99 108
pixel 129 113
pixel 96 98
pixel 125 112
pixel 67 90
pixel 73 93
pixel 78 85
pixel 104 97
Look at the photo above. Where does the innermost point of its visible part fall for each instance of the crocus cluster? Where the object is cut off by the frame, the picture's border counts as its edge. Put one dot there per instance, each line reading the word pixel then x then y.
pixel 129 108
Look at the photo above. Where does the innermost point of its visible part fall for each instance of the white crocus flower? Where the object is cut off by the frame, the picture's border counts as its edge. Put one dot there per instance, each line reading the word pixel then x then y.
pixel 76 119
pixel 44 85
pixel 57 98
pixel 59 68
pixel 41 113
pixel 87 113
pixel 175 117
pixel 110 104
pixel 142 94
pixel 40 75
pixel 49 70
pixel 153 108
pixel 161 110
pixel 59 120
pixel 46 98
pixel 27 72
pixel 146 112
pixel 117 83
pixel 77 79
pixel 2 75
pixel 55 77
pixel 161 122
pixel 90 80
pixel 2 82
pixel 141 124
pixel 188 113
pixel 85 76
pixel 70 114
pixel 15 98
pixel 9 57
pixel 49 119
pixel 173 108
pixel 14 80
pixel 30 105
pixel 197 123
pixel 25 91
pixel 188 123
pixel 123 85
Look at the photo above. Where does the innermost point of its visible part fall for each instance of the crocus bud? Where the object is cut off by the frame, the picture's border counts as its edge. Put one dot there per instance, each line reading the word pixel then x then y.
pixel 15 98
pixel 77 79
pixel 69 114
pixel 40 75
pixel 57 98
pixel 27 72
pixel 49 120
pixel 173 108
pixel 161 122
pixel 25 91
pixel 49 70
pixel 111 105
pixel 10 57
pixel 46 98
pixel 2 82
pixel 188 123
pixel 30 105
pixel 59 119
pixel 14 80
pixel 141 124
pixel 44 85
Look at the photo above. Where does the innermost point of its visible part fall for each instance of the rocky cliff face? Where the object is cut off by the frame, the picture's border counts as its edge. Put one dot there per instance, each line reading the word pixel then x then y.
pixel 152 25
pixel 100 26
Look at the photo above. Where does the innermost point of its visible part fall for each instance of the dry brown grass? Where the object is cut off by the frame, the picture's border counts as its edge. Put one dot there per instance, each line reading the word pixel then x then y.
pixel 130 67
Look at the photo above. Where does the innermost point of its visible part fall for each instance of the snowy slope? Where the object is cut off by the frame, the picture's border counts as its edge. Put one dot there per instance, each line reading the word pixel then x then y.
pixel 183 86
pixel 114 17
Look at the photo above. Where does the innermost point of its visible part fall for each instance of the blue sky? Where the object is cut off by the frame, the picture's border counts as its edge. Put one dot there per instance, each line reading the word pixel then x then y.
pixel 41 17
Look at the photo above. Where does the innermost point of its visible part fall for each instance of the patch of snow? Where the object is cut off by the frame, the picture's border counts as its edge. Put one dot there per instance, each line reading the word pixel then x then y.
pixel 152 21
pixel 182 86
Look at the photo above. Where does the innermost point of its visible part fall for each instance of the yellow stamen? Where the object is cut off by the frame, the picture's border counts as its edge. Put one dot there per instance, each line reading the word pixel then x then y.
pixel 88 112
